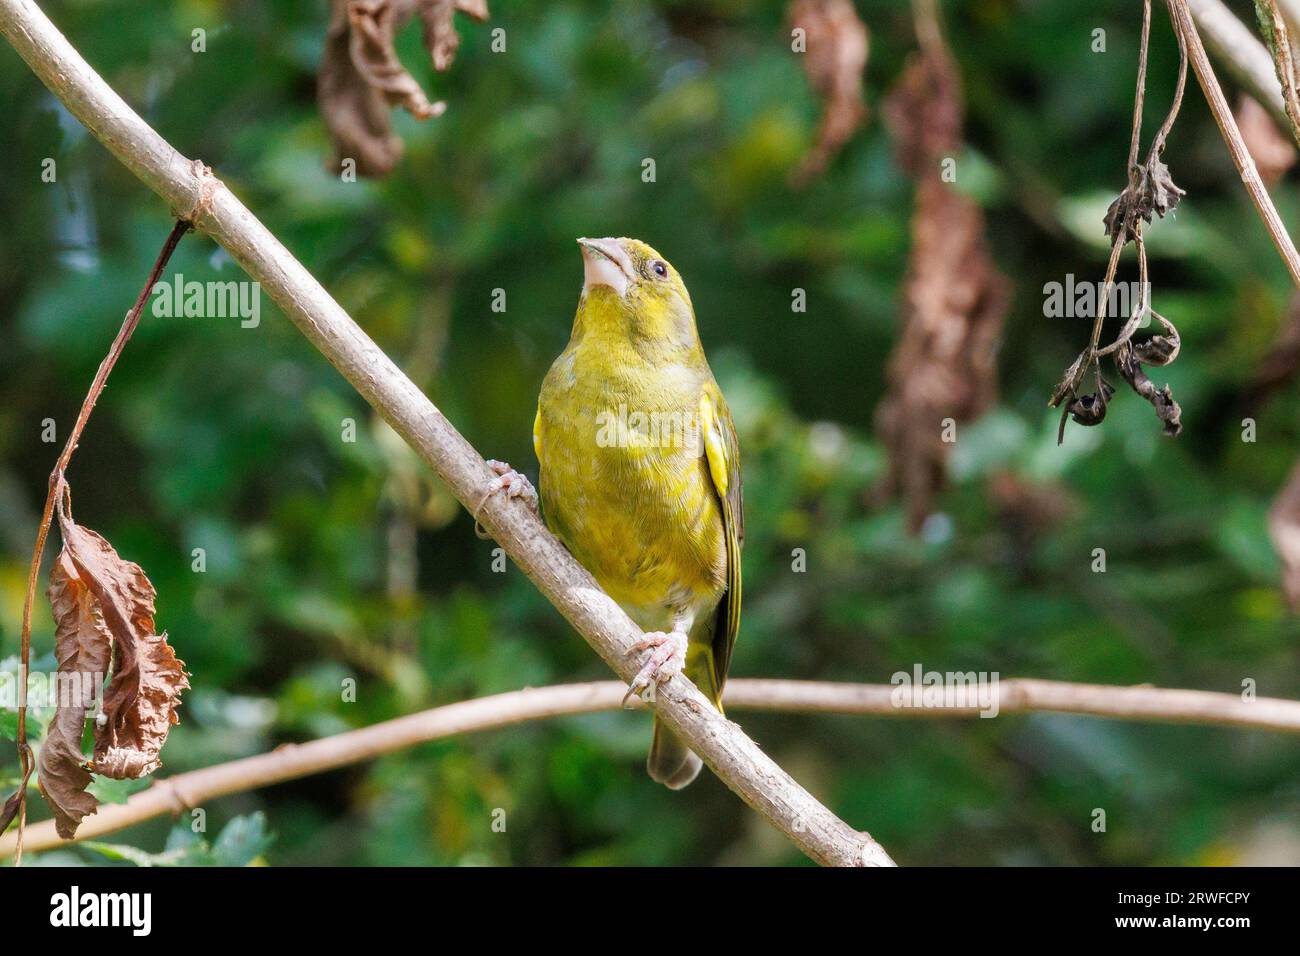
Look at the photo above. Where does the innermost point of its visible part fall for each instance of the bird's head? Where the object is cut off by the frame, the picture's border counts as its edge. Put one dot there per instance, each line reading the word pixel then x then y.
pixel 629 287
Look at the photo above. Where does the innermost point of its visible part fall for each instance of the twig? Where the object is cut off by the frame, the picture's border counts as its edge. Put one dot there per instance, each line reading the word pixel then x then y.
pixel 1142 309
pixel 1232 136
pixel 1276 37
pixel 1247 60
pixel 1127 225
pixel 215 210
pixel 57 488
pixel 1016 696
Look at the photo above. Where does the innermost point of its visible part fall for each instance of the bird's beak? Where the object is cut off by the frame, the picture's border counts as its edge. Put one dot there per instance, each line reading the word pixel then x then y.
pixel 604 262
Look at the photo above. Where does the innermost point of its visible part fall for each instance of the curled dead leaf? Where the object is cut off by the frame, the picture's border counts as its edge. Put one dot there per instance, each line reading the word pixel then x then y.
pixel 1090 409
pixel 361 77
pixel 9 811
pixel 954 299
pixel 83 646
pixel 835 58
pixel 1161 399
pixel 103 609
pixel 924 113
pixel 1151 192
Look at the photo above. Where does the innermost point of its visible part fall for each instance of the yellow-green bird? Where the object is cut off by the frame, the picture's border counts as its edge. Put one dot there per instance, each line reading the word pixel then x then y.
pixel 640 474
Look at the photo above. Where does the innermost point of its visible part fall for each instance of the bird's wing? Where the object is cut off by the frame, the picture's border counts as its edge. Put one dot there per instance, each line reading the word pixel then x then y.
pixel 723 454
pixel 537 435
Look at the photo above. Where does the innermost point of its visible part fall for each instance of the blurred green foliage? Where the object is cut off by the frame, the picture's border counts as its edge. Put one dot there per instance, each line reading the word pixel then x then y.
pixel 329 560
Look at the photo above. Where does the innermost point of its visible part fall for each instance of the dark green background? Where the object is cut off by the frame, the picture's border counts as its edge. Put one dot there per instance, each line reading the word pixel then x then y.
pixel 228 439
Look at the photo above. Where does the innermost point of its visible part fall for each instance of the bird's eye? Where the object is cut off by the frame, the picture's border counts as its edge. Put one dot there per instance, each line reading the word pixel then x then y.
pixel 660 269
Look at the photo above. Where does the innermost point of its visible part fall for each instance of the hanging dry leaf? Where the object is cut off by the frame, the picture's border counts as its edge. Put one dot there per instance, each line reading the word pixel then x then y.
pixel 954 299
pixel 361 77
pixel 1272 151
pixel 834 60
pixel 1284 529
pixel 1152 192
pixel 9 811
pixel 1129 362
pixel 103 608
pixel 83 646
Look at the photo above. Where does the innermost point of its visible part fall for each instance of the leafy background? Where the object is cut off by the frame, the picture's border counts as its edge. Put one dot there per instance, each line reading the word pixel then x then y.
pixel 328 560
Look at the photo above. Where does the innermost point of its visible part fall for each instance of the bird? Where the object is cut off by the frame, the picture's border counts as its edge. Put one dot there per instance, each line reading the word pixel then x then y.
pixel 640 475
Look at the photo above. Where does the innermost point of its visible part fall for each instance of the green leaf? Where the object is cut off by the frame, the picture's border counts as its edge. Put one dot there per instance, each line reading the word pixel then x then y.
pixel 108 790
pixel 242 840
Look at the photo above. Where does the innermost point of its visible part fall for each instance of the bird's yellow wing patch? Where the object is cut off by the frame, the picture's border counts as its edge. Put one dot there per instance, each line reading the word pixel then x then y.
pixel 537 435
pixel 722 452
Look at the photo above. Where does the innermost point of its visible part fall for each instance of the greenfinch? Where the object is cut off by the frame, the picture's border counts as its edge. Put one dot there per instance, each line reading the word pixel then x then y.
pixel 640 474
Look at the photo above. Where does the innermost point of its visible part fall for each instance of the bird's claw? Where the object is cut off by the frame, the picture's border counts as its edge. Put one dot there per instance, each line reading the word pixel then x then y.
pixel 668 656
pixel 513 483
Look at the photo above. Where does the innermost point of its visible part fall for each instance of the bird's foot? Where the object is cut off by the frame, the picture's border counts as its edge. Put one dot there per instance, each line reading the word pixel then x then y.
pixel 513 483
pixel 667 657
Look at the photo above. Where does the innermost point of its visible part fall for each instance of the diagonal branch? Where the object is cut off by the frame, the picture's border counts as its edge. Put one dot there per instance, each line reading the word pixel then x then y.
pixel 189 790
pixel 1241 158
pixel 1245 57
pixel 203 200
pixel 1273 25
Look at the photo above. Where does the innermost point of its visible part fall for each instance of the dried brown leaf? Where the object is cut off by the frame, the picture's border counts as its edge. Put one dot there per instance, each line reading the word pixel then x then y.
pixel 83 645
pixel 924 113
pixel 103 608
pixel 1158 349
pixel 1151 192
pixel 9 810
pixel 1090 409
pixel 1161 399
pixel 954 300
pixel 361 77
pixel 835 59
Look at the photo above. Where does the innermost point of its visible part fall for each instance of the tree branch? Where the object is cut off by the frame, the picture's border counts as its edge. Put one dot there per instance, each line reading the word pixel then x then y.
pixel 198 197
pixel 1241 158
pixel 188 790
pixel 1246 58
pixel 1273 26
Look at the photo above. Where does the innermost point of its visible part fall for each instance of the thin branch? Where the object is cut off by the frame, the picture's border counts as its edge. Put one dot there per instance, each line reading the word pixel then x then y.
pixel 1241 157
pixel 1241 52
pixel 58 488
pixel 1277 38
pixel 174 795
pixel 1128 225
pixel 205 201
pixel 1144 44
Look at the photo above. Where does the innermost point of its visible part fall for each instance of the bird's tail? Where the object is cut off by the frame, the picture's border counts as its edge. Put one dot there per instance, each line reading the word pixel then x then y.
pixel 671 762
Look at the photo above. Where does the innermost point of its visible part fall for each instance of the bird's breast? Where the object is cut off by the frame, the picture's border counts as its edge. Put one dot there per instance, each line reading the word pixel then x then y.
pixel 625 484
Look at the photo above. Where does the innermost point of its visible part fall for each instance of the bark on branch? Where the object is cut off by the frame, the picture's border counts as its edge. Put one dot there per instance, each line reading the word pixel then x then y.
pixel 197 196
pixel 1180 13
pixel 1247 59
pixel 189 790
